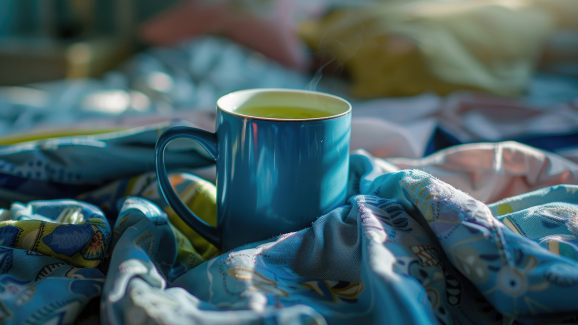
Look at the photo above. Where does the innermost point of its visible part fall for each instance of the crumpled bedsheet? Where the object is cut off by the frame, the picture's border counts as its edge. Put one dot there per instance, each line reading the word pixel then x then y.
pixel 415 127
pixel 406 248
pixel 67 167
pixel 184 82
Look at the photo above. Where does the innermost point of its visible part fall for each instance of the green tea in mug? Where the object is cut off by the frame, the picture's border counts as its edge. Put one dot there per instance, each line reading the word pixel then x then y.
pixel 282 112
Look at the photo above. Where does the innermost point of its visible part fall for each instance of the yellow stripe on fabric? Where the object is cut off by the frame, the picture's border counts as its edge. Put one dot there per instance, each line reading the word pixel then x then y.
pixel 25 137
pixel 504 208
pixel 512 226
pixel 554 247
pixel 418 185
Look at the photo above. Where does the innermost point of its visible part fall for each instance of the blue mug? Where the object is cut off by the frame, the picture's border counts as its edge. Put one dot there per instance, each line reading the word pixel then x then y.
pixel 274 175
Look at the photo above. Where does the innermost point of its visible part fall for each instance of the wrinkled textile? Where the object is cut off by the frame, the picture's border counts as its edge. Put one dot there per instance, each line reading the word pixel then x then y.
pixel 157 83
pixel 184 82
pixel 74 232
pixel 54 254
pixel 400 48
pixel 418 126
pixel 492 171
pixel 69 167
pixel 49 254
pixel 407 248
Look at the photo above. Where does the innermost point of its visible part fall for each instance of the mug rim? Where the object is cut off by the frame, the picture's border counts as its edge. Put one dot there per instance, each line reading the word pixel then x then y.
pixel 286 90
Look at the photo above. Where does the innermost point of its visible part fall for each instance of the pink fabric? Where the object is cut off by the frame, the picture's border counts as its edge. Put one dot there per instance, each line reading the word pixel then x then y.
pixel 272 34
pixel 491 171
pixel 402 127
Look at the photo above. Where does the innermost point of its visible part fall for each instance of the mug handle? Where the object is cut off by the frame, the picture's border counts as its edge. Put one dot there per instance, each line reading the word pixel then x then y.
pixel 209 141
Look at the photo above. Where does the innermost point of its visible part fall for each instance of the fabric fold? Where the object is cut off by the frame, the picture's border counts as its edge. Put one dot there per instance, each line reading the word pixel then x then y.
pixel 406 248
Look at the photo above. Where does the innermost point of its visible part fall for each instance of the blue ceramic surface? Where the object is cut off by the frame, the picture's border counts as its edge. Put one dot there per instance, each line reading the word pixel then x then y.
pixel 274 176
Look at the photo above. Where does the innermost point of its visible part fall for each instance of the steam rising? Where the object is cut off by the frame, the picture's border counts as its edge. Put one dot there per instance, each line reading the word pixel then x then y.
pixel 317 77
pixel 350 47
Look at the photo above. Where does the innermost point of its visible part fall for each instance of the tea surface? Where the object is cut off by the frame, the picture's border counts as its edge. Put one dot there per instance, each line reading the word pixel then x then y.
pixel 282 112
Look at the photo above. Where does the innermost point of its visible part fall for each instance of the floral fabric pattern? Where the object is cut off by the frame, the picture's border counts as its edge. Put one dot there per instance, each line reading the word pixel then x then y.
pixel 406 248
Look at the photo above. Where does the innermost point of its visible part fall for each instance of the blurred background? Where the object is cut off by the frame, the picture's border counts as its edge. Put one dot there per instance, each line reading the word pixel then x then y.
pixel 466 70
pixel 98 81
pixel 56 39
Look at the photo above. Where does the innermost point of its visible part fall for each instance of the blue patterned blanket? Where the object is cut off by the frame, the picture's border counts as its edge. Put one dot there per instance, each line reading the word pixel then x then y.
pixel 407 248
